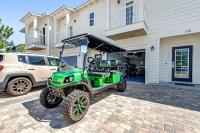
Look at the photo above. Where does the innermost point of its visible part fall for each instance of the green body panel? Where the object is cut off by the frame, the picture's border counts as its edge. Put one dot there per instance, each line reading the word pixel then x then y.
pixel 97 81
pixel 114 78
pixel 58 78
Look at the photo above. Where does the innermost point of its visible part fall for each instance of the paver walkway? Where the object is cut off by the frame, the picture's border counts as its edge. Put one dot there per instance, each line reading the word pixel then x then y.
pixel 141 109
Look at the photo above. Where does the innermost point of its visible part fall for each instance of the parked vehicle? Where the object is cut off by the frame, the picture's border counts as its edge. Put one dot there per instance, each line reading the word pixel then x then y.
pixel 76 86
pixel 20 72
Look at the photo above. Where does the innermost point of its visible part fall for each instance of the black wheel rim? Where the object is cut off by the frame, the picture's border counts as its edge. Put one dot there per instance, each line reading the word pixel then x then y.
pixel 53 99
pixel 80 106
pixel 20 86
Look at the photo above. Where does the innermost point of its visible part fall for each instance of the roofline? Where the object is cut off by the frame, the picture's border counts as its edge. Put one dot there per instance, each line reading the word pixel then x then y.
pixel 62 7
pixel 29 14
pixel 22 30
pixel 84 4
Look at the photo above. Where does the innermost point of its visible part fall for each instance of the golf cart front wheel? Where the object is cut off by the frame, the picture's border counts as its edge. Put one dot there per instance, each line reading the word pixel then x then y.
pixel 76 105
pixel 121 87
pixel 48 100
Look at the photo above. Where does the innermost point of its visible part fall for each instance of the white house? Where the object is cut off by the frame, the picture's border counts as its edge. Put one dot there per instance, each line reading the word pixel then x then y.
pixel 162 36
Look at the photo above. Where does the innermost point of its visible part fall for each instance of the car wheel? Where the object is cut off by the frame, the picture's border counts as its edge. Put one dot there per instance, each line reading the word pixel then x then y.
pixel 48 100
pixel 76 105
pixel 121 87
pixel 19 86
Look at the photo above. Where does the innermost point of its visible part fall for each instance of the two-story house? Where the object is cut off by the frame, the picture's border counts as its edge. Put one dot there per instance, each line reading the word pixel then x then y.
pixel 162 37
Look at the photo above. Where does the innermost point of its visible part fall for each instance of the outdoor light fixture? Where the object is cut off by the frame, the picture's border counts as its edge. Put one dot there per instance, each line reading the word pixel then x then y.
pixel 118 1
pixel 152 48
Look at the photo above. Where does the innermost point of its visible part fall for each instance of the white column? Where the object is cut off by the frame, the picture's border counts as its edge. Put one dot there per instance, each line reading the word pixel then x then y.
pixel 47 36
pixel 66 24
pixel 54 29
pixel 35 27
pixel 26 35
pixel 108 14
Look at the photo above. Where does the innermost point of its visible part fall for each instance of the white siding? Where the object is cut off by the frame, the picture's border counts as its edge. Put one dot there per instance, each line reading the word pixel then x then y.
pixel 166 55
pixel 164 18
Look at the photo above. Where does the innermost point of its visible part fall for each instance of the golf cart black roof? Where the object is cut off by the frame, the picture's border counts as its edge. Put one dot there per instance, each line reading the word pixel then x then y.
pixel 94 43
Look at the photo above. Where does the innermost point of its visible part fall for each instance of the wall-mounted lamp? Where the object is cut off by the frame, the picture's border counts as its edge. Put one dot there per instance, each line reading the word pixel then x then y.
pixel 74 20
pixel 118 1
pixel 152 48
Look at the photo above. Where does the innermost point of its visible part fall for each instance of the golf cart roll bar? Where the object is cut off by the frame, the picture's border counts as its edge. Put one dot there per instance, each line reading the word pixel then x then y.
pixel 92 42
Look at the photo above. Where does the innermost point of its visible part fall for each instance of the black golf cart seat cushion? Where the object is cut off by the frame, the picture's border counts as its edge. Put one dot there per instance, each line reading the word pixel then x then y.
pixel 100 74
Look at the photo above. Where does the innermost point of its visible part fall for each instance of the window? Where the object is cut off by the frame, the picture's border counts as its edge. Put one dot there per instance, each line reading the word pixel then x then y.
pixel 92 19
pixel 21 58
pixel 129 13
pixel 36 60
pixel 53 61
pixel 1 58
pixel 70 31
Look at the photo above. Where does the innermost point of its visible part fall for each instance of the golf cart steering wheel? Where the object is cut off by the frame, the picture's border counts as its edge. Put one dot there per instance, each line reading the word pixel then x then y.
pixel 92 60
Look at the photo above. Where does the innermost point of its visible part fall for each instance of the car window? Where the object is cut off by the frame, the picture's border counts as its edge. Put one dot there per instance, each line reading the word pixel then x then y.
pixel 21 58
pixel 1 58
pixel 36 60
pixel 53 61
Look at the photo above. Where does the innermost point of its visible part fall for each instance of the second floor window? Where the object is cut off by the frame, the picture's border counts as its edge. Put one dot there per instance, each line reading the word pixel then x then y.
pixel 91 19
pixel 129 13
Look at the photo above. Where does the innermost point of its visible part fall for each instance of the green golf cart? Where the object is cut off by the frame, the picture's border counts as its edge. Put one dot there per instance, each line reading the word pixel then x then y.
pixel 76 86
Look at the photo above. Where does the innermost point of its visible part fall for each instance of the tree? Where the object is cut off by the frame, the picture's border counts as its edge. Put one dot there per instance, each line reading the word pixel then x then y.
pixel 5 33
pixel 21 48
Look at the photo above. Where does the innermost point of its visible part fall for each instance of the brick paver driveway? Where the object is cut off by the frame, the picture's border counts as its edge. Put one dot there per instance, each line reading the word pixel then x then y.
pixel 142 108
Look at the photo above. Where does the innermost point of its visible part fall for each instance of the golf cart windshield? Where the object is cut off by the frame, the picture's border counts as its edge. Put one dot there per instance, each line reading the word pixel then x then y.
pixel 64 66
pixel 85 42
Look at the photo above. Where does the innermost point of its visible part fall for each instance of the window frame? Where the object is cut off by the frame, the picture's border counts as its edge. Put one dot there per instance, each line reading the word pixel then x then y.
pixel 3 56
pixel 25 60
pixel 130 13
pixel 46 64
pixel 91 19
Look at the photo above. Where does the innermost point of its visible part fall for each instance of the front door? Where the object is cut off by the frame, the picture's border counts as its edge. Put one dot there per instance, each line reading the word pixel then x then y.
pixel 182 63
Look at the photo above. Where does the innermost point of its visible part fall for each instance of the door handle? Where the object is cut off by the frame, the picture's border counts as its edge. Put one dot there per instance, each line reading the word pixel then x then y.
pixel 31 69
pixel 53 69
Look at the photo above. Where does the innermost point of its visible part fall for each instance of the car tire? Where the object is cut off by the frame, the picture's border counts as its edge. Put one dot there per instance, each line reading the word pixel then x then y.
pixel 49 101
pixel 19 86
pixel 76 105
pixel 121 87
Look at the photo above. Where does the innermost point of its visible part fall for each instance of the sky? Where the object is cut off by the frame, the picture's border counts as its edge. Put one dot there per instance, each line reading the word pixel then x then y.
pixel 11 11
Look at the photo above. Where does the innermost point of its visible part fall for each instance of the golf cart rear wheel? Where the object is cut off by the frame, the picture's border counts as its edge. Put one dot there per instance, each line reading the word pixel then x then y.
pixel 76 105
pixel 121 87
pixel 48 100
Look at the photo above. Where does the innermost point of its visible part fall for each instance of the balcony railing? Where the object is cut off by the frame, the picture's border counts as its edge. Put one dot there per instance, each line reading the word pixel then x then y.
pixel 60 36
pixel 123 17
pixel 40 40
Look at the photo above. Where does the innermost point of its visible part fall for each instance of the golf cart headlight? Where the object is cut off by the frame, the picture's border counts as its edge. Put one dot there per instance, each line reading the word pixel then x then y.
pixel 68 79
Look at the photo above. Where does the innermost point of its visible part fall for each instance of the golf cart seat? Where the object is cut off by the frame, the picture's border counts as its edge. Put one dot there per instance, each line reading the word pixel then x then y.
pixel 101 74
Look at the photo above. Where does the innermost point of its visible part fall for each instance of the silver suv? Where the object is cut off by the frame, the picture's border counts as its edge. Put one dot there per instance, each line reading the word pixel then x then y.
pixel 20 72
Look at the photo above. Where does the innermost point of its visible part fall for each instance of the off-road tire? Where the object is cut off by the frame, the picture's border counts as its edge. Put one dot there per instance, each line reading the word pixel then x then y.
pixel 69 103
pixel 13 86
pixel 121 87
pixel 44 96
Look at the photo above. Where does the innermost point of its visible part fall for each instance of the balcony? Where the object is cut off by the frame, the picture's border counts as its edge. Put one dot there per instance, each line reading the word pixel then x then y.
pixel 125 23
pixel 36 44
